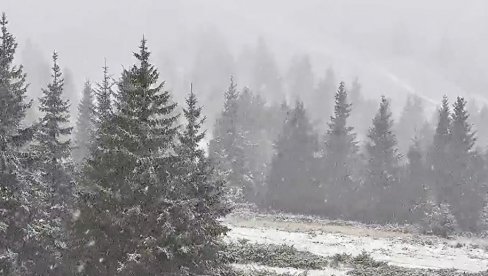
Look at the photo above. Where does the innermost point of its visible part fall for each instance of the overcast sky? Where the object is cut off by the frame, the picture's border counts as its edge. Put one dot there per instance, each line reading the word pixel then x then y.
pixel 392 46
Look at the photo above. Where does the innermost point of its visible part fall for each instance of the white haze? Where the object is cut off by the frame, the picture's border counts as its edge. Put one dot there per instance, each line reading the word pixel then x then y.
pixel 395 47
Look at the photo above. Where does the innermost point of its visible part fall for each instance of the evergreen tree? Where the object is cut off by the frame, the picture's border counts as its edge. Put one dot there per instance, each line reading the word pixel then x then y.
pixel 131 209
pixel 464 189
pixel 226 147
pixel 462 137
pixel 340 155
pixel 52 160
pixel 84 125
pixel 103 116
pixel 383 163
pixel 16 197
pixel 104 95
pixel 413 186
pixel 438 154
pixel 52 139
pixel 438 219
pixel 292 179
pixel 201 199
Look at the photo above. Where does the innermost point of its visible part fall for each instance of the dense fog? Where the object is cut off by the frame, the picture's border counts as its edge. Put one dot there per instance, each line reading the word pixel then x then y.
pixel 209 137
pixel 429 48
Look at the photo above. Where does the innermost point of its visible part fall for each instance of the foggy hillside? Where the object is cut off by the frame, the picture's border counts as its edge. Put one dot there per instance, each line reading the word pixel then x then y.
pixel 429 48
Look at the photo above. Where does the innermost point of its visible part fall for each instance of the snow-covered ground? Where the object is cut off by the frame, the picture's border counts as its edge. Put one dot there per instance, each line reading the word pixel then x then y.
pixel 327 238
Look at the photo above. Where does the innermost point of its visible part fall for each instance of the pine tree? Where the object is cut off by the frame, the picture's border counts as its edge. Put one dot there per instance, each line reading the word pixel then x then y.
pixel 383 162
pixel 413 186
pixel 52 160
pixel 128 223
pixel 85 128
pixel 340 153
pixel 200 199
pixel 466 177
pixel 52 139
pixel 226 147
pixel 103 116
pixel 292 179
pixel 438 219
pixel 104 95
pixel 16 197
pixel 462 137
pixel 438 154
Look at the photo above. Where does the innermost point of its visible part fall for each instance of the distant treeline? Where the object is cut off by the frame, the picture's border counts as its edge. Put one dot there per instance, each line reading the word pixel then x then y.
pixel 275 158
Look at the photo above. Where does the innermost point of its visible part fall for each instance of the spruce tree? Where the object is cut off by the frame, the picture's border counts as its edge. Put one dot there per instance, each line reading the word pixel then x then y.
pixel 84 129
pixel 16 197
pixel 128 223
pixel 340 154
pixel 201 201
pixel 104 95
pixel 103 116
pixel 226 147
pixel 292 179
pixel 413 185
pixel 383 163
pixel 465 172
pixel 438 153
pixel 52 150
pixel 53 145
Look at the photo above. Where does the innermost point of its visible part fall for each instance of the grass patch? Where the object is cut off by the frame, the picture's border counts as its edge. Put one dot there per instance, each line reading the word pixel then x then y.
pixel 267 272
pixel 243 252
pixel 362 260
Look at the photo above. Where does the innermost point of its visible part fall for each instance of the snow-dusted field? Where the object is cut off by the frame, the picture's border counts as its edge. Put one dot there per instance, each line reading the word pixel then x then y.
pixel 326 238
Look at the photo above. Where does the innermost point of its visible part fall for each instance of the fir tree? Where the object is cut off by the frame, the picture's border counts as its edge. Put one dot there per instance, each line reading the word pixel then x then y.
pixel 340 152
pixel 128 221
pixel 226 147
pixel 52 160
pixel 292 179
pixel 438 154
pixel 104 95
pixel 462 138
pixel 382 147
pixel 413 186
pixel 84 130
pixel 201 201
pixel 465 171
pixel 16 197
pixel 103 116
pixel 383 163
pixel 52 139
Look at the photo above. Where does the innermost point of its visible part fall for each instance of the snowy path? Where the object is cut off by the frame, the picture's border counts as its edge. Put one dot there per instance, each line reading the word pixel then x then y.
pixel 400 249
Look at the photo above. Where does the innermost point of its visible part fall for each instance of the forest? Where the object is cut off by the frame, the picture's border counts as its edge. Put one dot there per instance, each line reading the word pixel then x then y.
pixel 135 182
